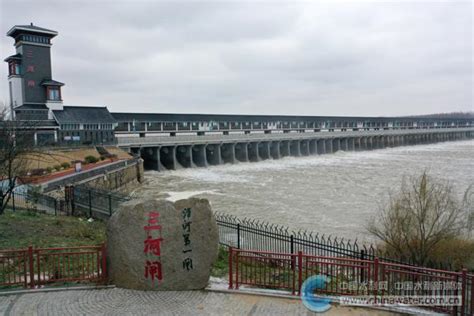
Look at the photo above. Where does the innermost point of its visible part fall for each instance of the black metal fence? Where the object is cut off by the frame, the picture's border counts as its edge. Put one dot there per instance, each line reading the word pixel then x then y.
pixel 78 200
pixel 34 201
pixel 251 234
pixel 95 202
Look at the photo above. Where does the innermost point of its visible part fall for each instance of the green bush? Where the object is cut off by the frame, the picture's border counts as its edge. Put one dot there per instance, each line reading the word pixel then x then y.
pixel 220 268
pixel 91 159
pixel 102 157
pixel 66 165
pixel 49 169
pixel 57 167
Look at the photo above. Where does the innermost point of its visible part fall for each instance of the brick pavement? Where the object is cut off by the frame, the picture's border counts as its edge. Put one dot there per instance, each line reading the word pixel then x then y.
pixel 129 302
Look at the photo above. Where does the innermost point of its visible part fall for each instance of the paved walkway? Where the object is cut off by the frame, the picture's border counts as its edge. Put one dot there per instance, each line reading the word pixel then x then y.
pixel 128 302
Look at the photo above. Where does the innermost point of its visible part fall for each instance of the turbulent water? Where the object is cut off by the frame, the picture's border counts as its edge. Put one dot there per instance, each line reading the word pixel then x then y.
pixel 333 194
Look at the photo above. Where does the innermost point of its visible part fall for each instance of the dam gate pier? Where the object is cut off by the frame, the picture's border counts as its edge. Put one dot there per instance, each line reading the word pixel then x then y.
pixel 171 153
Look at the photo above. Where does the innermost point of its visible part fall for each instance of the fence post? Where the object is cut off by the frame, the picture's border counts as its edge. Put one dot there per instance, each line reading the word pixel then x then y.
pixel 376 277
pixel 32 267
pixel 472 296
pixel 90 203
pixel 72 198
pixel 231 285
pixel 292 244
pixel 237 270
pixel 362 257
pixel 292 251
pixel 238 235
pixel 463 291
pixel 13 200
pixel 55 207
pixel 104 262
pixel 300 271
pixel 110 205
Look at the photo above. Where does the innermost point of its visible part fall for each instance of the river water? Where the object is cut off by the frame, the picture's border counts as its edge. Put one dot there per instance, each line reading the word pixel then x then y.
pixel 333 194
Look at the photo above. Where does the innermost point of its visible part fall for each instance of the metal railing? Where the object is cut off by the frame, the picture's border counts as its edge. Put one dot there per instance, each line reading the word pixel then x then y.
pixel 190 139
pixel 37 202
pixel 350 277
pixel 94 202
pixel 36 267
pixel 233 232
pixel 262 236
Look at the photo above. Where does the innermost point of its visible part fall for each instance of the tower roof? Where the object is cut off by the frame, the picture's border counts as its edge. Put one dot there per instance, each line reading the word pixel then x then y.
pixel 51 83
pixel 13 57
pixel 17 29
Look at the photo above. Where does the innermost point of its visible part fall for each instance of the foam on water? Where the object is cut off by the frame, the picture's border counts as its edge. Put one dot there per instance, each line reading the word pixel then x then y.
pixel 333 194
pixel 175 196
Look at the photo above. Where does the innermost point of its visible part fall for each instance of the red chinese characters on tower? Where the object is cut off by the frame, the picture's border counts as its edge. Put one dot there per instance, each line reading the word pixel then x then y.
pixel 152 247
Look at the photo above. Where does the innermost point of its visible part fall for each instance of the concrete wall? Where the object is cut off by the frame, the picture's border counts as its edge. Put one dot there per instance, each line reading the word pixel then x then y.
pixel 127 177
pixel 108 177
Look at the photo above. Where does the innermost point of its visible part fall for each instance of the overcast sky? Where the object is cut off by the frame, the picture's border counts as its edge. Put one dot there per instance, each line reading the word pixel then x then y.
pixel 266 57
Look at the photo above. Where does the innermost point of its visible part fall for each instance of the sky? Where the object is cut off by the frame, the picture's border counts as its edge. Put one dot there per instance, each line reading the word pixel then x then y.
pixel 373 58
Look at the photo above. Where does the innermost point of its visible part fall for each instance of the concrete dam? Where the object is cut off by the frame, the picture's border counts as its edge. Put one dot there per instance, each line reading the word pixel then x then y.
pixel 175 152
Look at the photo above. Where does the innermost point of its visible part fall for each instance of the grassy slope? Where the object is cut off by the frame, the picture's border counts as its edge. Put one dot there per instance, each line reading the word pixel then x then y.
pixel 22 228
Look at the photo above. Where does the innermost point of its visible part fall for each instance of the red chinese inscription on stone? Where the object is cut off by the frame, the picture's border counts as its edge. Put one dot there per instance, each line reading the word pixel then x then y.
pixel 153 270
pixel 152 247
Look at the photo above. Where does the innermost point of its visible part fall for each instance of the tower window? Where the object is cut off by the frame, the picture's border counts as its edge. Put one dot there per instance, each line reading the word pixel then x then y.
pixel 14 68
pixel 53 93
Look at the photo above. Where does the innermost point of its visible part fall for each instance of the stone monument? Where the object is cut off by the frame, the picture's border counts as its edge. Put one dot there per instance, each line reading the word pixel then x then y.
pixel 161 245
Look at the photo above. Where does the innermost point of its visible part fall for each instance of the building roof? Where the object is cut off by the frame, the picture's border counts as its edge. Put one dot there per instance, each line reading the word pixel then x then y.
pixel 30 29
pixel 181 117
pixel 84 114
pixel 13 57
pixel 32 106
pixel 51 83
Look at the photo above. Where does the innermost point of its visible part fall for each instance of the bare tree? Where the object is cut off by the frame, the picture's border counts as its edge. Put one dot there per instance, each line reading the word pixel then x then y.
pixel 468 205
pixel 16 151
pixel 424 213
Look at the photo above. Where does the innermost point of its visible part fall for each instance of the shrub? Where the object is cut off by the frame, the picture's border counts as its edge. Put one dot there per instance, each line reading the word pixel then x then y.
pixel 49 169
pixel 221 266
pixel 91 159
pixel 102 157
pixel 458 252
pixel 421 218
pixel 57 167
pixel 66 165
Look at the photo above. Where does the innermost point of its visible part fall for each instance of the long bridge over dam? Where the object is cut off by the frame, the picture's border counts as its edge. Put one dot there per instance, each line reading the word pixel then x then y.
pixel 188 151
